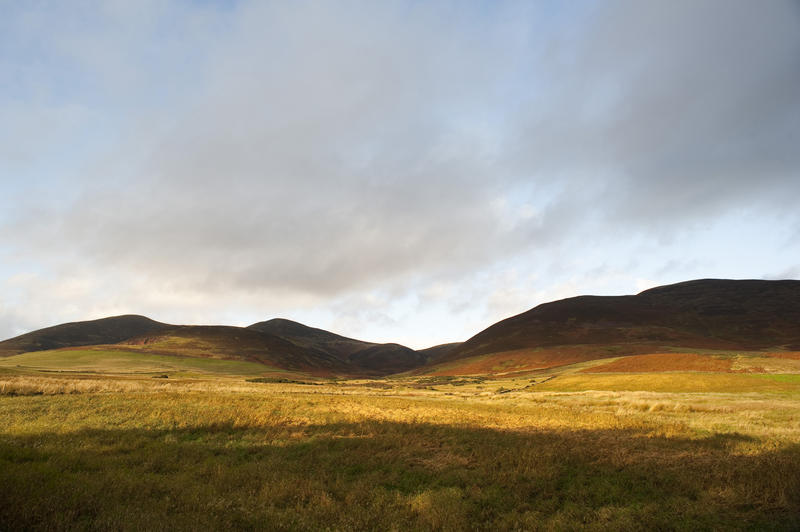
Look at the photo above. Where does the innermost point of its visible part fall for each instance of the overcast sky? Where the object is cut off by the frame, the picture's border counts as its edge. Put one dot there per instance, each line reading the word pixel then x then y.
pixel 394 171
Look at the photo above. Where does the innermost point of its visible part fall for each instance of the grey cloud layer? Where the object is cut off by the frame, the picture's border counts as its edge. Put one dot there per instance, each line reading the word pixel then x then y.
pixel 318 149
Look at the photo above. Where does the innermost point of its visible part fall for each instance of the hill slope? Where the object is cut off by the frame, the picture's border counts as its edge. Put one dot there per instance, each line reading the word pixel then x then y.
pixel 310 337
pixel 708 314
pixel 238 343
pixel 103 331
pixel 361 357
pixel 705 314
pixel 277 343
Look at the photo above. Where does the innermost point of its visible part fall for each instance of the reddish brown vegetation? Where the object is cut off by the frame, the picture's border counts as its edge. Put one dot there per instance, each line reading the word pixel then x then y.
pixel 789 355
pixel 658 362
pixel 524 360
pixel 702 314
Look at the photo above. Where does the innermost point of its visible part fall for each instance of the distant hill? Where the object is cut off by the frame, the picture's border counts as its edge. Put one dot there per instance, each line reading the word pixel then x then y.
pixel 302 335
pixel 688 317
pixel 385 359
pixel 277 343
pixel 702 314
pixel 367 358
pixel 238 343
pixel 437 352
pixel 103 331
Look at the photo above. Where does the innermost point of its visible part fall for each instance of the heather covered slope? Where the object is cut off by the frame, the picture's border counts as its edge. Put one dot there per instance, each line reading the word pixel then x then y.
pixel 364 358
pixel 310 337
pixel 710 315
pixel 281 344
pixel 386 359
pixel 238 343
pixel 702 314
pixel 103 331
pixel 435 353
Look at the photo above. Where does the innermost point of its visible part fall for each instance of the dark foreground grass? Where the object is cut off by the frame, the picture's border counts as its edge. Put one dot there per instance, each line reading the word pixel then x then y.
pixel 200 461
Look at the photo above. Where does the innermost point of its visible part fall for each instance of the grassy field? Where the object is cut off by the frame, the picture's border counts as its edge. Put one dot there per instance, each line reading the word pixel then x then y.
pixel 119 361
pixel 594 451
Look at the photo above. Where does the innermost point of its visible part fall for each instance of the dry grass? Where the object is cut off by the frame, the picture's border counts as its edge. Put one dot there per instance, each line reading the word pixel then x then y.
pixel 131 453
pixel 677 382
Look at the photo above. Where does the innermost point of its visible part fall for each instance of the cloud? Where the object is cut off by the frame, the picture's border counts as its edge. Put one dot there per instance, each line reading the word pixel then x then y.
pixel 307 153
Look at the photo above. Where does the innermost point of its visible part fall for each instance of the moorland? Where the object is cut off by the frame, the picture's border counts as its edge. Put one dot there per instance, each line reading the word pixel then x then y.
pixel 677 408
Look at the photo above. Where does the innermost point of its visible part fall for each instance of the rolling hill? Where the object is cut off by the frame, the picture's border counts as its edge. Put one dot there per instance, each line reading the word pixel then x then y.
pixel 366 358
pixel 706 314
pixel 237 343
pixel 338 346
pixel 277 344
pixel 103 331
pixel 669 326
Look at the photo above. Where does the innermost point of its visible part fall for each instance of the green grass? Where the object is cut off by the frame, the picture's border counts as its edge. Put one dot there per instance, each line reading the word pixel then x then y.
pixel 788 378
pixel 127 362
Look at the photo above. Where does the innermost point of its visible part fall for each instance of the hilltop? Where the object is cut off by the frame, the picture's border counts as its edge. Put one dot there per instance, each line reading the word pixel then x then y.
pixel 366 358
pixel 706 314
pixel 703 318
pixel 103 331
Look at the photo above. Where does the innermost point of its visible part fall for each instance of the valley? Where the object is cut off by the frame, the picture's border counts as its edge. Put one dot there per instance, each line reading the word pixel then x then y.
pixel 676 410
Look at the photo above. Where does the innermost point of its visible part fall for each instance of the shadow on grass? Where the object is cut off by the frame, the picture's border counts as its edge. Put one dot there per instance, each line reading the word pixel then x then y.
pixel 384 475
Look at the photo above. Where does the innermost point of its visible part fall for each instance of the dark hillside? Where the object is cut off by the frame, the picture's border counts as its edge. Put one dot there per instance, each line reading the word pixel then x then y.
pixel 707 313
pixel 362 358
pixel 437 352
pixel 305 336
pixel 238 343
pixel 385 359
pixel 103 331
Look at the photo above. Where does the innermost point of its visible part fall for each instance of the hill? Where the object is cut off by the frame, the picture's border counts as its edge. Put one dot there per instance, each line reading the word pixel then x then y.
pixel 277 344
pixel 435 353
pixel 756 321
pixel 711 314
pixel 238 343
pixel 310 337
pixel 80 333
pixel 367 358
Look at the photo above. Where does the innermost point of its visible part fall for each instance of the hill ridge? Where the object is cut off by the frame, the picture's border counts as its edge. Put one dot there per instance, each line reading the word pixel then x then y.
pixel 109 330
pixel 750 313
pixel 747 314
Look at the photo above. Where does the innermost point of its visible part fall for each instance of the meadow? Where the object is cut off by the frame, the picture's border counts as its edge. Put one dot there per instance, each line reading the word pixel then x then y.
pixel 579 451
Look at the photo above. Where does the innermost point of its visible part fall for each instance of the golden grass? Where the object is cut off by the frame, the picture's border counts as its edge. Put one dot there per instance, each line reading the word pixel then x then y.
pixel 669 382
pixel 140 453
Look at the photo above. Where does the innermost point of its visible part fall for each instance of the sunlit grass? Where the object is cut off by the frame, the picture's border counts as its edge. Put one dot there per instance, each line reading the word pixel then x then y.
pixel 427 453
pixel 673 382
pixel 118 361
pixel 793 378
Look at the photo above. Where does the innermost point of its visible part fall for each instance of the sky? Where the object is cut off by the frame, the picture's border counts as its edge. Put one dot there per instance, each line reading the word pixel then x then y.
pixel 392 171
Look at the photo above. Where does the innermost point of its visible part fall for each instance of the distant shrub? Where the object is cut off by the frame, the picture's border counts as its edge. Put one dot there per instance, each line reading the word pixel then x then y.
pixel 447 379
pixel 281 380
